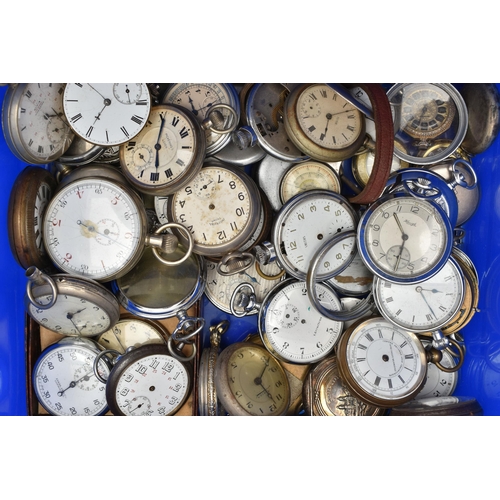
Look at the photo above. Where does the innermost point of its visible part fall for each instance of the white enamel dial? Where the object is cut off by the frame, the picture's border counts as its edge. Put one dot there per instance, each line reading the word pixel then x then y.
pixel 199 99
pixel 305 223
pixel 382 361
pixel 101 113
pixel 166 154
pixel 221 207
pixel 425 306
pixel 326 118
pixel 147 381
pixel 292 329
pixel 65 383
pixel 93 228
pixel 404 238
pixel 34 122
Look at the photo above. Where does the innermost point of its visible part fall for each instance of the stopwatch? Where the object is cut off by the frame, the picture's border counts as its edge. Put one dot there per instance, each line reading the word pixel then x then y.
pixel 404 239
pixel 424 113
pixel 221 208
pixel 30 194
pixel 131 331
pixel 382 364
pixel 147 381
pixel 200 99
pixel 64 379
pixel 325 394
pixel 70 305
pixel 264 123
pixel 33 122
pixel 106 114
pixel 304 223
pixel 219 288
pixel 289 326
pixel 306 176
pixel 322 124
pixel 425 306
pixel 250 381
pixel 166 154
pixel 96 227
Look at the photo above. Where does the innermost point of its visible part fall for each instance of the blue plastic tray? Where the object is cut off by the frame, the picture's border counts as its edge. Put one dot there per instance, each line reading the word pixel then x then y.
pixel 479 376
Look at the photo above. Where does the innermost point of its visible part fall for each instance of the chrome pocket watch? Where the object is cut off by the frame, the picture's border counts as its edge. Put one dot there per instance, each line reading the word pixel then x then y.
pixel 96 225
pixel 30 194
pixel 404 239
pixel 70 305
pixel 106 114
pixel 221 208
pixel 322 124
pixel 201 99
pixel 289 326
pixel 64 379
pixel 382 364
pixel 250 381
pixel 302 225
pixel 264 115
pixel 146 381
pixel 424 113
pixel 34 126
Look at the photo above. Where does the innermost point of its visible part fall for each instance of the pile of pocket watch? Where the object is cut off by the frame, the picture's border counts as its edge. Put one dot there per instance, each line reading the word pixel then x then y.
pixel 331 214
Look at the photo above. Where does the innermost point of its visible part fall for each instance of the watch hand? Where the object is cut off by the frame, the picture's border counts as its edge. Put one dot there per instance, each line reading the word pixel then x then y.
pixel 267 392
pixel 127 91
pixel 433 290
pixel 95 90
pixel 98 117
pixel 252 279
pixel 193 109
pixel 74 382
pixel 118 340
pixel 92 229
pixel 425 300
pixel 404 236
pixel 158 145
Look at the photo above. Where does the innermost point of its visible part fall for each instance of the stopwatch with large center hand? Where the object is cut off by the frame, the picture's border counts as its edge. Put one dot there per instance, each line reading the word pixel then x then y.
pixel 64 379
pixel 304 223
pixel 199 99
pixel 404 239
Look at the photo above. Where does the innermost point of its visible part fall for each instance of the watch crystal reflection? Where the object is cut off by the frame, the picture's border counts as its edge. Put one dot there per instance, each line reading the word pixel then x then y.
pixel 155 286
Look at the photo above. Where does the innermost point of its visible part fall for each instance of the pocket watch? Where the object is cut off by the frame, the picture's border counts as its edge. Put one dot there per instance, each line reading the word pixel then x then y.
pixel 33 122
pixel 304 223
pixel 166 154
pixel 404 239
pixel 30 194
pixel 306 176
pixel 322 124
pixel 382 364
pixel 64 379
pixel 107 114
pixel 220 207
pixel 425 306
pixel 250 382
pixel 131 331
pixel 424 113
pixel 219 288
pixel 70 305
pixel 199 99
pixel 325 394
pixel 96 226
pixel 81 152
pixel 147 381
pixel 290 328
pixel 264 114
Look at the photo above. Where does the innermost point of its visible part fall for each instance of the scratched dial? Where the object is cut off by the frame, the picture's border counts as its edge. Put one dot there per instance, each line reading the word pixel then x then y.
pixel 94 228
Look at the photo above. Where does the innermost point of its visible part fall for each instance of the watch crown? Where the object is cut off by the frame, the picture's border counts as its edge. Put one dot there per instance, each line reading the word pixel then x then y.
pixel 264 253
pixel 244 137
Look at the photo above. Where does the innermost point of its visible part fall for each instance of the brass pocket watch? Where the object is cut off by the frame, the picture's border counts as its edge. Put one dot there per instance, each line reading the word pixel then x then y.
pixel 30 194
pixel 250 382
pixel 34 126
pixel 64 379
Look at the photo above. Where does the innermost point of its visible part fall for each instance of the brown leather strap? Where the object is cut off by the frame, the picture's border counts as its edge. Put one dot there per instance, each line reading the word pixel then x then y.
pixel 384 144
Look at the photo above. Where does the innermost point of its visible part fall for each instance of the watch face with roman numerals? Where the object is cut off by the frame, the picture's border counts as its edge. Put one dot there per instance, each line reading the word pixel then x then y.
pixel 166 154
pixel 107 114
